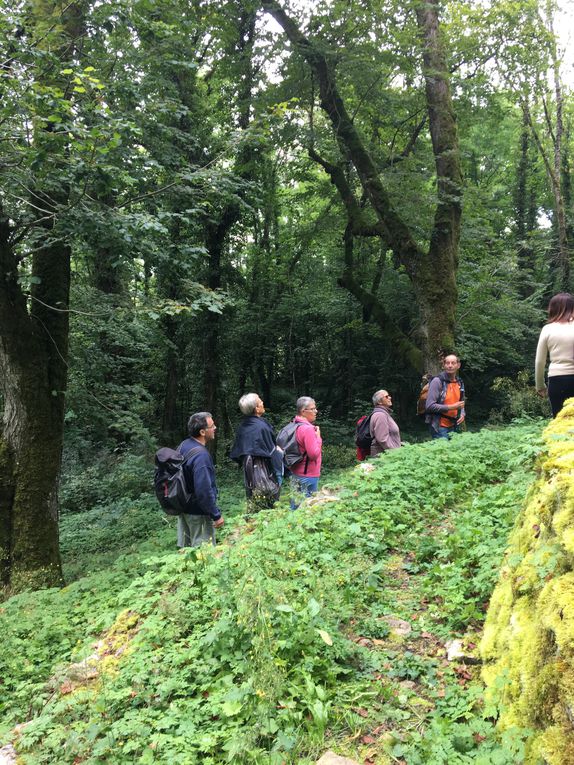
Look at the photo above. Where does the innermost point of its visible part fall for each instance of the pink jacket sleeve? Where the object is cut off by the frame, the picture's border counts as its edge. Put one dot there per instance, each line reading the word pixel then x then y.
pixel 310 442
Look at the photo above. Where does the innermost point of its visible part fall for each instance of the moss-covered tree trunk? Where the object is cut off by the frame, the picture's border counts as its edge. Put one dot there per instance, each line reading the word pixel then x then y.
pixel 435 279
pixel 33 374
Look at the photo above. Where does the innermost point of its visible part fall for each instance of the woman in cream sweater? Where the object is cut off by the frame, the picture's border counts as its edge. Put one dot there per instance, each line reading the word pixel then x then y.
pixel 557 339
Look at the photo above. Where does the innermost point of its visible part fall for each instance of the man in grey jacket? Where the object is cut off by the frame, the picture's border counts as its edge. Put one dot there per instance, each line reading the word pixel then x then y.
pixel 445 404
pixel 384 430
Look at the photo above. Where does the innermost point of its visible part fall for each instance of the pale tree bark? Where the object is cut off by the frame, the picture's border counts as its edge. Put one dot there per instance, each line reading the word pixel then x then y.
pixel 523 206
pixel 563 244
pixel 554 163
pixel 431 271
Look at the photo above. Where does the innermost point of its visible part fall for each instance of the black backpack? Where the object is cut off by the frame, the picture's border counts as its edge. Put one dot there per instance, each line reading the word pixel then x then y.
pixel 169 481
pixel 287 440
pixel 363 437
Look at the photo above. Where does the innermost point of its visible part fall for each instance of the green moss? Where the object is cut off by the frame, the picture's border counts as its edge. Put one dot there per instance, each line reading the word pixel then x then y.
pixel 528 643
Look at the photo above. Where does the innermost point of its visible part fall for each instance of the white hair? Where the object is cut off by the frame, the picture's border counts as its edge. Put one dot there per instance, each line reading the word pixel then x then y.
pixel 248 403
pixel 378 396
pixel 303 402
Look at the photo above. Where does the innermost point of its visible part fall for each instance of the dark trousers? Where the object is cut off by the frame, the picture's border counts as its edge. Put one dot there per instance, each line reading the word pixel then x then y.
pixel 560 387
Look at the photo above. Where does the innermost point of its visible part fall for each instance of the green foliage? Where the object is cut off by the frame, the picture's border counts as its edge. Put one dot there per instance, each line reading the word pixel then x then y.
pixel 105 480
pixel 517 399
pixel 249 655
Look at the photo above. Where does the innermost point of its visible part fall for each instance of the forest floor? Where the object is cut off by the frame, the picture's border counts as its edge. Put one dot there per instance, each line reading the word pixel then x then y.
pixel 351 624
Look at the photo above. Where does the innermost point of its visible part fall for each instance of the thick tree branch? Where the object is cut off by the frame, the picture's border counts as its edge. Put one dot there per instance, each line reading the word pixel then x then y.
pixel 353 208
pixel 396 233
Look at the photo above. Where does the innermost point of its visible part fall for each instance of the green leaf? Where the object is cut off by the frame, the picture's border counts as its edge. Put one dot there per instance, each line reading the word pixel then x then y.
pixel 231 708
pixel 313 607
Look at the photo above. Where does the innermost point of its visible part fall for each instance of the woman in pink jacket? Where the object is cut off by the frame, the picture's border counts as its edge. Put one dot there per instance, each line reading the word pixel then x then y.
pixel 305 474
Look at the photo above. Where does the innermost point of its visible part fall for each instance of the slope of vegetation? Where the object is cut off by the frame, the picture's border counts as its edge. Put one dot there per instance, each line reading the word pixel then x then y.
pixel 323 627
pixel 529 633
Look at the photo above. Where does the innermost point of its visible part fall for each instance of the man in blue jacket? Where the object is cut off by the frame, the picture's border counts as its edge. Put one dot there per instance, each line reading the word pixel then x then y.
pixel 204 516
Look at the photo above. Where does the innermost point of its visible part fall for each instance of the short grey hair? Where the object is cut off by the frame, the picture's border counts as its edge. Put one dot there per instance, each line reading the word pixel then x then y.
pixel 197 422
pixel 378 396
pixel 248 403
pixel 303 402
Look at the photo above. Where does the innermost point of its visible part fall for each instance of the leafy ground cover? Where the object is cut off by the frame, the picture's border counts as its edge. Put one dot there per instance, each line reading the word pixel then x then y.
pixel 323 627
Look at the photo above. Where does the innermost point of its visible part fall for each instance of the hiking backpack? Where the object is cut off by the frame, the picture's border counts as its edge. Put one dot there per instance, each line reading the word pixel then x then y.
pixel 363 436
pixel 169 481
pixel 422 399
pixel 287 440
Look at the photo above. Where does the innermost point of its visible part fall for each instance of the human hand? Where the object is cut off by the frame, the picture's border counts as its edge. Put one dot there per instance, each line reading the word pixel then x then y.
pixel 460 404
pixel 218 523
pixel 318 430
pixel 542 392
pixel 460 419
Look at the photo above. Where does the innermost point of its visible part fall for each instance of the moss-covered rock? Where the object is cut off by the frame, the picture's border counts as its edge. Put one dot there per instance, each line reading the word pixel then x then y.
pixel 528 642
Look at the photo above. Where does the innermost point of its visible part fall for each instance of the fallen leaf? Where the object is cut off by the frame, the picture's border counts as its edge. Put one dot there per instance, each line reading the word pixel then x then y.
pixel 325 637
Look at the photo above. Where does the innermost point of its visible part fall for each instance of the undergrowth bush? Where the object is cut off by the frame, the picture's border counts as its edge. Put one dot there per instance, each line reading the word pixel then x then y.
pixel 517 399
pixel 106 479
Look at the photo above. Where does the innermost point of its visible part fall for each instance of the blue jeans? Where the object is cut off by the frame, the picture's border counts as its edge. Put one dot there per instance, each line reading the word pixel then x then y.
pixel 303 486
pixel 443 432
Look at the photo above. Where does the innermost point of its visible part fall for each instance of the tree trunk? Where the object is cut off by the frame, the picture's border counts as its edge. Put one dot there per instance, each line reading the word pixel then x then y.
pixel 34 335
pixel 435 283
pixel 33 366
pixel 525 253
pixel 218 231
pixel 563 259
pixel 170 422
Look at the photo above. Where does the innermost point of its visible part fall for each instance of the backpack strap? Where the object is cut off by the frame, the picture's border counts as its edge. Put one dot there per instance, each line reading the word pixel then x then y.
pixel 190 452
pixel 443 396
pixel 305 453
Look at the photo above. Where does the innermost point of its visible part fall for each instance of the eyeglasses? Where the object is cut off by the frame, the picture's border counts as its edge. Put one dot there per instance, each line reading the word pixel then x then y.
pixel 210 427
pixel 311 409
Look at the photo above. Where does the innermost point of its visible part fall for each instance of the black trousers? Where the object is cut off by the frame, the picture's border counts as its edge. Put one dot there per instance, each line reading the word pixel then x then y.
pixel 560 387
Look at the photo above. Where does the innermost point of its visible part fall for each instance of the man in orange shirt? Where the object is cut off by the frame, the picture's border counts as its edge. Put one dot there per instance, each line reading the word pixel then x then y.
pixel 445 404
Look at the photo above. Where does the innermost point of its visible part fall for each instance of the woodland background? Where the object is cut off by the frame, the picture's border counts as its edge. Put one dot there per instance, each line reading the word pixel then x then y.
pixel 203 198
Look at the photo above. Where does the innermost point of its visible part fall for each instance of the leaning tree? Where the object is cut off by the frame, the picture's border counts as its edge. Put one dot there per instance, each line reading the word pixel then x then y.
pixel 370 208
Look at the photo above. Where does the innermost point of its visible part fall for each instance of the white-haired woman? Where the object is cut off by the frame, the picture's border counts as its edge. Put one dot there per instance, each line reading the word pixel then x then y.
pixel 256 450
